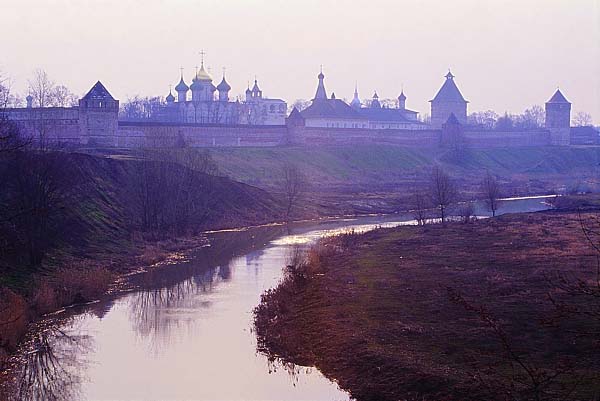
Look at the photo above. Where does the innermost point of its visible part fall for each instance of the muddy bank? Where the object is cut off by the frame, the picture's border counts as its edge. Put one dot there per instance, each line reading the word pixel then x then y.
pixel 401 313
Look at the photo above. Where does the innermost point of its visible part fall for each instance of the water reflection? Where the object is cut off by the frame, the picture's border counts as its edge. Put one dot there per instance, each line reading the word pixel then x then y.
pixel 157 314
pixel 185 330
pixel 53 366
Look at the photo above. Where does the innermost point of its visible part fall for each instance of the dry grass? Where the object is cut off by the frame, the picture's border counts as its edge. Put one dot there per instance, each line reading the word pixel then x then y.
pixel 13 320
pixel 377 316
pixel 152 255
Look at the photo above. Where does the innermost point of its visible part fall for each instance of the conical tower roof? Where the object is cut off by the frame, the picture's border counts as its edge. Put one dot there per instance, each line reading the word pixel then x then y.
pixel 449 91
pixel 321 94
pixel 98 92
pixel 558 97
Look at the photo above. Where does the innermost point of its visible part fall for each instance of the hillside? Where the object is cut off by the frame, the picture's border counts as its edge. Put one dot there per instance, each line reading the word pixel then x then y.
pixel 102 206
pixel 382 168
pixel 379 167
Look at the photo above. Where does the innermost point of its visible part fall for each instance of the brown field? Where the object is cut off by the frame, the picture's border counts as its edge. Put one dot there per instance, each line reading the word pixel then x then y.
pixel 456 312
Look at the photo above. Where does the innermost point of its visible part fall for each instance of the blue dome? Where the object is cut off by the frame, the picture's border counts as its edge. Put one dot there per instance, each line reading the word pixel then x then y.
pixel 181 86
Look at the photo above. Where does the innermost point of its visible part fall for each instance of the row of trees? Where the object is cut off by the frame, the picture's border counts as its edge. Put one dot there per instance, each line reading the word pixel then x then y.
pixel 44 91
pixel 533 117
pixel 171 191
pixel 441 193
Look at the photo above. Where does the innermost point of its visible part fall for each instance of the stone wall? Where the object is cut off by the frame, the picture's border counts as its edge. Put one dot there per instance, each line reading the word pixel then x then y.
pixel 171 134
pixel 56 124
pixel 496 139
pixel 313 136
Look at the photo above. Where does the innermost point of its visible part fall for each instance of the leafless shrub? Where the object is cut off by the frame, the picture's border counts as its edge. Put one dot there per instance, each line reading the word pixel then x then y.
pixel 152 255
pixel 514 373
pixel 466 212
pixel 70 284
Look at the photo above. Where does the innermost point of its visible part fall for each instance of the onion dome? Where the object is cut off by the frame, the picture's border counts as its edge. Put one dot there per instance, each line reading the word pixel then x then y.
pixel 170 98
pixel 223 86
pixel 196 85
pixel 248 91
pixel 402 96
pixel 29 98
pixel 181 86
pixel 202 75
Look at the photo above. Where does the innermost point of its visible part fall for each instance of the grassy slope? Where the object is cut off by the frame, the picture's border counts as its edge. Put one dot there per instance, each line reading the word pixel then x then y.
pixel 98 226
pixel 380 165
pixel 377 318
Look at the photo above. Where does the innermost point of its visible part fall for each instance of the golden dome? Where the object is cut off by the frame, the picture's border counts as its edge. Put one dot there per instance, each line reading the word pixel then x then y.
pixel 202 75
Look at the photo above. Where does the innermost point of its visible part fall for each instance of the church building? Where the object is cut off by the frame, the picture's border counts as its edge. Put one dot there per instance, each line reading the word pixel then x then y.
pixel 335 113
pixel 210 104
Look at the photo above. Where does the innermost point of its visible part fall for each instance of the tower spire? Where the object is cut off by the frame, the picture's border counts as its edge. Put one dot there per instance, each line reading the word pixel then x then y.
pixel 202 53
pixel 356 100
pixel 321 93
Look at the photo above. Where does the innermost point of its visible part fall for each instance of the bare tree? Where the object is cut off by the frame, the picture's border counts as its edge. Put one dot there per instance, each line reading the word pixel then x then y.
pixel 485 119
pixel 36 205
pixel 420 206
pixel 531 118
pixel 582 119
pixel 63 97
pixel 299 104
pixel 491 192
pixel 172 191
pixel 505 123
pixel 41 88
pixel 442 191
pixel 7 97
pixel 294 185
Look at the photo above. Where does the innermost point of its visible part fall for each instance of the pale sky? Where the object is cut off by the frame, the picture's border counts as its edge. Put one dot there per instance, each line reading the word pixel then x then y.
pixel 506 54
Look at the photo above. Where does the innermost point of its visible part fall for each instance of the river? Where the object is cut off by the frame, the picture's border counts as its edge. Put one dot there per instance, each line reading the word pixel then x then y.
pixel 184 330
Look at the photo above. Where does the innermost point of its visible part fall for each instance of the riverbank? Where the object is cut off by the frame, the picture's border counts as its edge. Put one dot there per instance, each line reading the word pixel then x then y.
pixel 429 313
pixel 101 219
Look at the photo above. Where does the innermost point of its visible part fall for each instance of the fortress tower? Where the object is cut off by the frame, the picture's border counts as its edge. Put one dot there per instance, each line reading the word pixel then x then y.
pixel 98 117
pixel 558 119
pixel 448 101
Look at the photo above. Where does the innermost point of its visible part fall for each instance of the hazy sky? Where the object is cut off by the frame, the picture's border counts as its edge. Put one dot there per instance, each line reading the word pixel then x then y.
pixel 506 54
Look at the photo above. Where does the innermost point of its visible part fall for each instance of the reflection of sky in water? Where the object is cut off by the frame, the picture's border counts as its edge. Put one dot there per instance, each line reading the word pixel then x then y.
pixel 186 334
pixel 312 236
